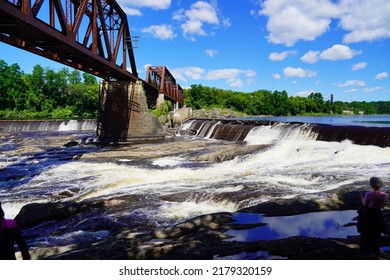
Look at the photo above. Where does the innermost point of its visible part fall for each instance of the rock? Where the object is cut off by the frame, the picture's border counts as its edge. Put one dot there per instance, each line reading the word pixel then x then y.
pixel 35 213
pixel 71 144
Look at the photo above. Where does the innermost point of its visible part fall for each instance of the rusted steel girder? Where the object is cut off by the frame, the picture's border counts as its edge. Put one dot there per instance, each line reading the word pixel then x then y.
pixel 160 78
pixel 90 35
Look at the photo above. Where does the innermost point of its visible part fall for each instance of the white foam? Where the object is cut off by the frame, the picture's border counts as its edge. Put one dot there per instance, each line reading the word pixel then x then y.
pixel 77 125
pixel 168 161
pixel 184 210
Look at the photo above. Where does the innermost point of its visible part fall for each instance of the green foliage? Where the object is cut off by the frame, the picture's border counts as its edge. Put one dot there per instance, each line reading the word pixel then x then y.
pixel 163 109
pixel 46 93
pixel 277 103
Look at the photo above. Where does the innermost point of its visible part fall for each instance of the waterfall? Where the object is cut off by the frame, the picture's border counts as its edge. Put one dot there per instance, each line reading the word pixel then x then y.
pixel 46 125
pixel 268 132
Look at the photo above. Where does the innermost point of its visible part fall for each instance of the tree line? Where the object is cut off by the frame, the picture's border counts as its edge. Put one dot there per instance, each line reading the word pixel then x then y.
pixel 276 103
pixel 46 93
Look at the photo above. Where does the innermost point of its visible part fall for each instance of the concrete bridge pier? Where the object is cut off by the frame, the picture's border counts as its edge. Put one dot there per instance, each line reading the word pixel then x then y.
pixel 160 100
pixel 124 115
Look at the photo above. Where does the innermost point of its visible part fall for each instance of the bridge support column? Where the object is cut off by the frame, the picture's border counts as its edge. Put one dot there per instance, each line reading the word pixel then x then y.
pixel 124 114
pixel 160 100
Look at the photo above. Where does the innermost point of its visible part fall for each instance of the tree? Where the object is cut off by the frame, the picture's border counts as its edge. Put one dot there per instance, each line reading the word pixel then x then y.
pixel 35 95
pixel 280 103
pixel 12 87
pixel 89 79
pixel 315 102
pixel 74 77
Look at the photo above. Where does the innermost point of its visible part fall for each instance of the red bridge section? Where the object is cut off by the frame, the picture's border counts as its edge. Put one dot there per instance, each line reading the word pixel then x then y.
pixel 90 35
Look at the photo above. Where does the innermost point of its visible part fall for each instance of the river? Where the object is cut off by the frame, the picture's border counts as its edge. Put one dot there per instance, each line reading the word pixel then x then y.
pixel 36 167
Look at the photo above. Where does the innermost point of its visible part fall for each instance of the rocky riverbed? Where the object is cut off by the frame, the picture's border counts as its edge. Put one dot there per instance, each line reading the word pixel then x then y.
pixel 202 237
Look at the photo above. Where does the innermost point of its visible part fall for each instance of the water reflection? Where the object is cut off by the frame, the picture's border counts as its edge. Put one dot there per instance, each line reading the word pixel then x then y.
pixel 320 224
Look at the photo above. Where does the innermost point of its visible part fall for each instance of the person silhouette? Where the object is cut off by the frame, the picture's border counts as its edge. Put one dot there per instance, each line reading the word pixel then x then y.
pixel 9 235
pixel 370 219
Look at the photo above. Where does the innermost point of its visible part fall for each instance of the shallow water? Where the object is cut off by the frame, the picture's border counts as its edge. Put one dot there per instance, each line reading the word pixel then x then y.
pixel 330 224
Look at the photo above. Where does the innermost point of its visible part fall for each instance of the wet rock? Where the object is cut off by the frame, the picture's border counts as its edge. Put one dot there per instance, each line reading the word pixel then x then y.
pixel 71 144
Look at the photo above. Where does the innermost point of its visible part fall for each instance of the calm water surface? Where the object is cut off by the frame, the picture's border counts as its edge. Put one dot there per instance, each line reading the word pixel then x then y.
pixel 356 120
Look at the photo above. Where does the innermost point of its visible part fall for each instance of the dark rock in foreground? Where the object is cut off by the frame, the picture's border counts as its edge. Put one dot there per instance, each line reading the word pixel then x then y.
pixel 200 238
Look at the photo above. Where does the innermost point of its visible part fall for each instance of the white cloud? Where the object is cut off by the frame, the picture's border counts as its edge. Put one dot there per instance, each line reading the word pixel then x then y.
pixel 194 19
pixel 153 4
pixel 293 20
pixel 310 57
pixel 298 72
pixel 304 93
pixel 132 11
pixel 274 56
pixel 182 74
pixel 163 32
pixel 339 52
pixel 228 73
pixel 365 20
pixel 351 90
pixel 234 77
pixel 336 52
pixel 132 7
pixel 381 76
pixel 373 89
pixel 359 66
pixel 276 76
pixel 349 83
pixel 210 53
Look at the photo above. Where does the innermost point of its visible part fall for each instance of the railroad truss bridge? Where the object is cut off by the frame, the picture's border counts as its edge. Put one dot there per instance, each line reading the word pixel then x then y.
pixel 94 36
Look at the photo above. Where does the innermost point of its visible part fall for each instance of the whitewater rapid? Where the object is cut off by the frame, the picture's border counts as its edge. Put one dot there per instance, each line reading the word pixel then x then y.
pixel 176 188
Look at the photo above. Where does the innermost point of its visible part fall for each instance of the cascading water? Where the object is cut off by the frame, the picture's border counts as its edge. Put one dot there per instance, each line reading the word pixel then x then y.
pixel 274 131
pixel 48 125
pixel 168 189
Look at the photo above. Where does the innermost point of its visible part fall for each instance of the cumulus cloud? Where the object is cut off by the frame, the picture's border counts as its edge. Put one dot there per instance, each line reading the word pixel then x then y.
pixel 210 53
pixel 193 73
pixel 132 11
pixel 163 32
pixel 274 56
pixel 351 90
pixel 365 20
pixel 153 4
pixel 298 72
pixel 339 52
pixel 304 93
pixel 381 76
pixel 293 20
pixel 310 57
pixel 132 7
pixel 349 83
pixel 374 89
pixel 233 77
pixel 276 76
pixel 195 19
pixel 359 66
pixel 336 52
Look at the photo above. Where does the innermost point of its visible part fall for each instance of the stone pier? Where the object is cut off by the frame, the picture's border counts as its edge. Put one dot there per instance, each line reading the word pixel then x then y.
pixel 124 115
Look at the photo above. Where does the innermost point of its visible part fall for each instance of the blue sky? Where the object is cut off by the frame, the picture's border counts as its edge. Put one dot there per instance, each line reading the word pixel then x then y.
pixel 333 47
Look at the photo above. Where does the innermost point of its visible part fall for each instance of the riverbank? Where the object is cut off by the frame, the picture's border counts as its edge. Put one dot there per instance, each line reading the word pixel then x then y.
pixel 206 236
